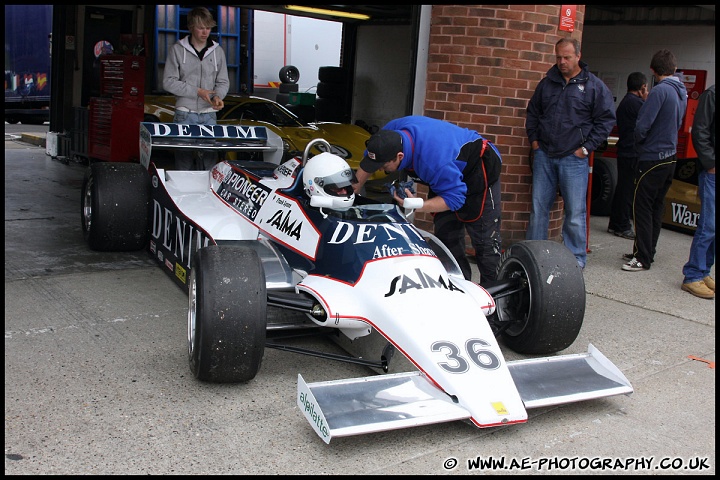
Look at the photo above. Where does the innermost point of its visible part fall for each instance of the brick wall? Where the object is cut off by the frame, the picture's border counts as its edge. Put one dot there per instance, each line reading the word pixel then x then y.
pixel 484 63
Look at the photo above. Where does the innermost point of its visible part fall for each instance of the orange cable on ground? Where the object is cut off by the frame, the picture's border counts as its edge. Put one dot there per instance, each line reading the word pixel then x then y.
pixel 710 364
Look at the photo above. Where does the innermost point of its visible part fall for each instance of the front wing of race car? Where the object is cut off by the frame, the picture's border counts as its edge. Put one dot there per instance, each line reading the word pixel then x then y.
pixel 460 373
pixel 357 406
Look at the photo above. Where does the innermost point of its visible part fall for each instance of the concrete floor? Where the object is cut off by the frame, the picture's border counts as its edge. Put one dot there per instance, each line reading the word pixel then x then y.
pixel 97 381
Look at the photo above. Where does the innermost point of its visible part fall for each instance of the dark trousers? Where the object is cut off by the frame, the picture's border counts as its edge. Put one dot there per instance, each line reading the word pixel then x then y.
pixel 484 235
pixel 652 184
pixel 621 212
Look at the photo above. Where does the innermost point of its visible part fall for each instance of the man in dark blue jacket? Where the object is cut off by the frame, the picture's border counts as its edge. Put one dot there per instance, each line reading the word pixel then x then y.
pixel 656 137
pixel 462 170
pixel 697 279
pixel 569 115
pixel 620 222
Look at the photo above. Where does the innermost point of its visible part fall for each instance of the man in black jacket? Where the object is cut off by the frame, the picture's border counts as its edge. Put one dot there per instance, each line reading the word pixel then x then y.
pixel 620 222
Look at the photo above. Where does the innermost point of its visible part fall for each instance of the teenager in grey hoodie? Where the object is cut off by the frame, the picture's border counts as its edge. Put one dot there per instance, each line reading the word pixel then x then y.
pixel 196 73
pixel 656 138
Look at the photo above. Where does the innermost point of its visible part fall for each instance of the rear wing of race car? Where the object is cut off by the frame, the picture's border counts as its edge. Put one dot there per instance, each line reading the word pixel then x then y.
pixel 217 137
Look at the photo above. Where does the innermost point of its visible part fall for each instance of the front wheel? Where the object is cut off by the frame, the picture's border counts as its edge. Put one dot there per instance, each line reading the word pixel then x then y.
pixel 227 314
pixel 545 314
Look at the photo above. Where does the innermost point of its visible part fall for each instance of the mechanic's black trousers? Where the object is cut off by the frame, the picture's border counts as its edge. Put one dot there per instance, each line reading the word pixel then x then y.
pixel 621 210
pixel 484 235
pixel 651 185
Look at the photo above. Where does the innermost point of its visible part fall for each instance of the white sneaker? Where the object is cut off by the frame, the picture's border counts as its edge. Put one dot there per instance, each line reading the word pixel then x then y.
pixel 633 266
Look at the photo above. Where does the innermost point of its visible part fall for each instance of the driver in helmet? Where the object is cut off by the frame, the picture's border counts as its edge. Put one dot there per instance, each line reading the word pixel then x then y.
pixel 328 178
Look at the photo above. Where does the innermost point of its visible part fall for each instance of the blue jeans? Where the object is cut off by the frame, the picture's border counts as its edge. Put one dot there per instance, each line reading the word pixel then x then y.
pixel 570 175
pixel 187 159
pixel 702 249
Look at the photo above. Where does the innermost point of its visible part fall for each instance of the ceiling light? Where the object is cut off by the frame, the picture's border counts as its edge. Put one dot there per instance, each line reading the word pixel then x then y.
pixel 333 13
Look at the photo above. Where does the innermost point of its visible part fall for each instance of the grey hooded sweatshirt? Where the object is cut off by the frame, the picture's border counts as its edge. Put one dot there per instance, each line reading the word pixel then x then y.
pixel 185 73
pixel 659 119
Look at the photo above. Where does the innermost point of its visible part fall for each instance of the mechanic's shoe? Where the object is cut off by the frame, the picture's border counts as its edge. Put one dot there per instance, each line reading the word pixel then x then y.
pixel 699 289
pixel 710 282
pixel 633 266
pixel 629 234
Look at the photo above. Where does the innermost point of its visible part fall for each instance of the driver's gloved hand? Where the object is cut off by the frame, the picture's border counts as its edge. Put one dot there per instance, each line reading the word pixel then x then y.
pixel 399 188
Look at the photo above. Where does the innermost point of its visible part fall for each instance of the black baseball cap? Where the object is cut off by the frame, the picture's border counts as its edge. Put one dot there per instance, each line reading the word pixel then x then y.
pixel 381 148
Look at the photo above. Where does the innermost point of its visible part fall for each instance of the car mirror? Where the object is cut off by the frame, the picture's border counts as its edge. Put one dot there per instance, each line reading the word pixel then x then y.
pixel 413 203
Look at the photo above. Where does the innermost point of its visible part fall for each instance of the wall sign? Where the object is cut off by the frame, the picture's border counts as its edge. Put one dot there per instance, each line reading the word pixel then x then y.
pixel 567 18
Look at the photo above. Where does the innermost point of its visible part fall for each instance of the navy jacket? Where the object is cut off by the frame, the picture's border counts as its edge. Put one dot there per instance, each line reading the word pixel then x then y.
pixel 659 119
pixel 627 113
pixel 563 117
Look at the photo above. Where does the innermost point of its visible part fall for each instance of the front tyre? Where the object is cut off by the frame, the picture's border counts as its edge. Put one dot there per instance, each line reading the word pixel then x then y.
pixel 227 314
pixel 115 206
pixel 546 315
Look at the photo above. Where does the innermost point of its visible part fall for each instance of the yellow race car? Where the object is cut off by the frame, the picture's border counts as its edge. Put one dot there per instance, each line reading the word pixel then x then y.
pixel 346 140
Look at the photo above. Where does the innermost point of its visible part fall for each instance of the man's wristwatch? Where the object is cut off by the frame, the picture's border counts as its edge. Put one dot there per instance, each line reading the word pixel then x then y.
pixel 585 151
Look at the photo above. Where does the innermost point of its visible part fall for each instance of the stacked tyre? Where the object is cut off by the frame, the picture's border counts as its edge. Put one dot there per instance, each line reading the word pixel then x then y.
pixel 332 103
pixel 289 76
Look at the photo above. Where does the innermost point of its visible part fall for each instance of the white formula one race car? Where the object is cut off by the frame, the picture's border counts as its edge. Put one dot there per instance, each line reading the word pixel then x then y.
pixel 249 244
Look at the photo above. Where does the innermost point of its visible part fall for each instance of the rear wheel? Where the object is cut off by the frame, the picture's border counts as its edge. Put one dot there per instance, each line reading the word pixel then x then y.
pixel 115 206
pixel 289 74
pixel 604 183
pixel 331 74
pixel 546 313
pixel 227 314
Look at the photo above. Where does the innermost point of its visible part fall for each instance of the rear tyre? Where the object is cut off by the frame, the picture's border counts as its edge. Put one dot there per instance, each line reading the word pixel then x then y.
pixel 115 206
pixel 289 74
pixel 227 314
pixel 604 183
pixel 546 315
pixel 331 90
pixel 288 87
pixel 331 74
pixel 282 98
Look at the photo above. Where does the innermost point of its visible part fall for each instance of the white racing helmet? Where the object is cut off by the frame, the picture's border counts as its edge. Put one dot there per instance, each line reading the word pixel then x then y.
pixel 329 176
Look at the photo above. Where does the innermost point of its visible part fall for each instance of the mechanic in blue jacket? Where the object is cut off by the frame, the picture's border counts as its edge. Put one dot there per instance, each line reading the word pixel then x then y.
pixel 569 115
pixel 462 171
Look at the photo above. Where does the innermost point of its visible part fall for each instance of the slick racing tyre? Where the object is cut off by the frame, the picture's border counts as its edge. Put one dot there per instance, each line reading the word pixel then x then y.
pixel 289 74
pixel 115 206
pixel 545 314
pixel 227 314
pixel 604 183
pixel 330 74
